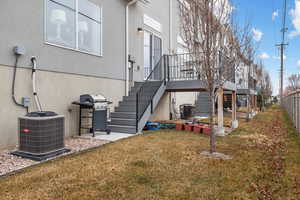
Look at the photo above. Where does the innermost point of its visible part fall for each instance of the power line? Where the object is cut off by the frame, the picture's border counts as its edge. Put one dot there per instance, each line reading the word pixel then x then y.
pixel 282 46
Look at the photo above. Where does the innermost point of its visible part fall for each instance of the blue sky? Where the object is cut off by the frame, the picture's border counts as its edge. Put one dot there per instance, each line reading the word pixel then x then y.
pixel 266 18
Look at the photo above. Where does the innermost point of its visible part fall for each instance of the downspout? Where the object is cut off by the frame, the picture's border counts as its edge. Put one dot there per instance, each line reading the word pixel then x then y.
pixel 170 26
pixel 127 45
pixel 170 52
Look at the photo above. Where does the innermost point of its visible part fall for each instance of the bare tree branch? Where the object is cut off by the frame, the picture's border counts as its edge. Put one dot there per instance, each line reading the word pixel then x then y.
pixel 211 38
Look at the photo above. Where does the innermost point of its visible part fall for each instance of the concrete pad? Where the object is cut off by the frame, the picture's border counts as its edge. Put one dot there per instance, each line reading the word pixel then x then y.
pixel 216 155
pixel 220 131
pixel 234 124
pixel 112 137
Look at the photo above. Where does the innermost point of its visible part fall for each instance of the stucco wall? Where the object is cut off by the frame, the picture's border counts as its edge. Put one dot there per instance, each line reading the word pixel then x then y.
pixel 162 111
pixel 185 98
pixel 22 23
pixel 56 92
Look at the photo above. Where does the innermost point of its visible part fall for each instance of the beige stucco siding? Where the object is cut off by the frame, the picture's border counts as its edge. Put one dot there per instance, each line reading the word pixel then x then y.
pixel 56 92
pixel 162 111
pixel 185 98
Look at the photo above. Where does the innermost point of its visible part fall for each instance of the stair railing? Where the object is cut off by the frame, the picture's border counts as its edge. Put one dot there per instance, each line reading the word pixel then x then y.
pixel 143 100
pixel 178 67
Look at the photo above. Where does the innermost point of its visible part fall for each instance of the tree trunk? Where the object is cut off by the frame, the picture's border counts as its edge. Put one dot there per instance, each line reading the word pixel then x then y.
pixel 213 134
pixel 263 103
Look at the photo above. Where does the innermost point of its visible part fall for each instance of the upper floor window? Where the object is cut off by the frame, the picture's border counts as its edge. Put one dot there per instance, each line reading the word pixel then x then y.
pixel 75 24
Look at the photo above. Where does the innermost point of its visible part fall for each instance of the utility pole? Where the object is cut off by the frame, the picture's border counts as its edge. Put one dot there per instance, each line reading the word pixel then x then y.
pixel 282 48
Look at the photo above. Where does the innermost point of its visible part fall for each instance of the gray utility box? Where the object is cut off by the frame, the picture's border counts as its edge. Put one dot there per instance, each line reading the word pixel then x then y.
pixel 41 135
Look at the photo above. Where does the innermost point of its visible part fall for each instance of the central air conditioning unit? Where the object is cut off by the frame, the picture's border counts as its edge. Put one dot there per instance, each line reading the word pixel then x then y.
pixel 41 135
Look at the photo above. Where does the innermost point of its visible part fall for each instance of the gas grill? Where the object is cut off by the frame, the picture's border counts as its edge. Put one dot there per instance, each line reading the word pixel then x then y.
pixel 93 108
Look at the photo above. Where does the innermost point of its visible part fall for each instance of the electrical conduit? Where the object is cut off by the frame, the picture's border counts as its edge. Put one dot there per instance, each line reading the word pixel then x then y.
pixel 36 98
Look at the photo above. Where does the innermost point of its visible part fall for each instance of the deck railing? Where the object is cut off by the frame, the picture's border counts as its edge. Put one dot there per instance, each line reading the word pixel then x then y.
pixel 183 67
pixel 189 66
pixel 178 67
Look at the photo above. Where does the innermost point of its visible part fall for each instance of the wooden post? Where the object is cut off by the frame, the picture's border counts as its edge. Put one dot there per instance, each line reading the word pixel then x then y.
pixel 252 103
pixel 234 123
pixel 248 107
pixel 255 99
pixel 220 131
pixel 233 105
pixel 255 103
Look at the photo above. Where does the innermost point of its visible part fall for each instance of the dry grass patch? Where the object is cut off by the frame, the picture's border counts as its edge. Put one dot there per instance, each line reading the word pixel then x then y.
pixel 227 121
pixel 243 109
pixel 168 165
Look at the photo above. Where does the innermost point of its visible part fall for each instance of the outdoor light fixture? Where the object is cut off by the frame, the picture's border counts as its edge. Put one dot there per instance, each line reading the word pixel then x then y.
pixel 140 30
pixel 59 18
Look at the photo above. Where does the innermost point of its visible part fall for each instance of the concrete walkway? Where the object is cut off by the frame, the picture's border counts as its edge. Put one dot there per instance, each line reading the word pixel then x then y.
pixel 103 136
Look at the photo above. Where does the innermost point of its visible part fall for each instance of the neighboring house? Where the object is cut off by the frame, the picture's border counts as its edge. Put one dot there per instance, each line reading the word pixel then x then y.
pixel 246 80
pixel 81 47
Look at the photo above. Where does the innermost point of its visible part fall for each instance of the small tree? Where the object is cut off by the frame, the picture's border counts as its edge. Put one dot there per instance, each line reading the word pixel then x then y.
pixel 264 85
pixel 293 83
pixel 210 36
pixel 267 88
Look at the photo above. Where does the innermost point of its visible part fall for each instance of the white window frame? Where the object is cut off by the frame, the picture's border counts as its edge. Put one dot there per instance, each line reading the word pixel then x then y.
pixel 155 25
pixel 76 30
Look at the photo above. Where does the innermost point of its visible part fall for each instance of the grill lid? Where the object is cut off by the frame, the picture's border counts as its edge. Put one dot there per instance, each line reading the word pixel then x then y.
pixel 92 98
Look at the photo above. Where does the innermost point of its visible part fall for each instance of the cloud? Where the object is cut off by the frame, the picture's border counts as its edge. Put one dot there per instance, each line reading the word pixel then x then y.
pixel 275 15
pixel 295 13
pixel 257 34
pixel 264 56
pixel 278 57
pixel 298 63
pixel 293 34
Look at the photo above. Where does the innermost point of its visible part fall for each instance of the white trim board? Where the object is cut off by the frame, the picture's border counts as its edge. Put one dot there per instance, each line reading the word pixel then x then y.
pixel 152 23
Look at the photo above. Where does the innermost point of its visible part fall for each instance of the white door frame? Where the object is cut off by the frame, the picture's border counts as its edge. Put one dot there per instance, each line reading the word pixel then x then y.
pixel 152 33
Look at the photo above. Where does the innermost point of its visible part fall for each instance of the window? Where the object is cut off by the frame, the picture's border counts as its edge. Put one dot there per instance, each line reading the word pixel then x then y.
pixel 75 24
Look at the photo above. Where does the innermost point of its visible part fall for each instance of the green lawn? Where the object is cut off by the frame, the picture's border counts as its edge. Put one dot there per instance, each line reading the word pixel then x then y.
pixel 168 165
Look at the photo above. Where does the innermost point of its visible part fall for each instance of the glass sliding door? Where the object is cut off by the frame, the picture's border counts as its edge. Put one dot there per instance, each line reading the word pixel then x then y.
pixel 157 53
pixel 152 52
pixel 147 54
pixel 157 49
